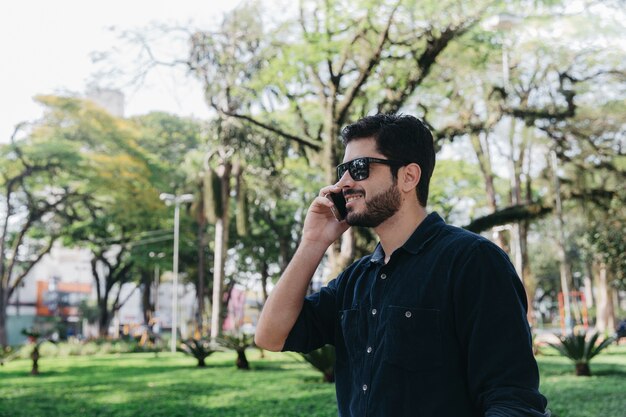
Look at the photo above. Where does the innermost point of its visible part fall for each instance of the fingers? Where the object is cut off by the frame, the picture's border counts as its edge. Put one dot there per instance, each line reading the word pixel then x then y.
pixel 329 189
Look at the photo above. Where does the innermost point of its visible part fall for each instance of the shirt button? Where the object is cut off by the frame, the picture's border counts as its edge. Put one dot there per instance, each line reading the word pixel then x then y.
pixel 369 349
pixel 383 276
pixel 408 314
pixel 374 312
pixel 364 387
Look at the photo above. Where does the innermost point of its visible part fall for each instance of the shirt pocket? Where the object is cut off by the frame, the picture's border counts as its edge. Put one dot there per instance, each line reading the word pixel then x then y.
pixel 349 320
pixel 413 338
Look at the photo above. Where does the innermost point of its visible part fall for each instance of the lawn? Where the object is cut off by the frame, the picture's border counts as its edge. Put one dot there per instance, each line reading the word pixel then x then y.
pixel 144 384
pixel 601 395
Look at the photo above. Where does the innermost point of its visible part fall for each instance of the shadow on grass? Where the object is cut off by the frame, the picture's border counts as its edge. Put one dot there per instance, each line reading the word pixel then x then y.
pixel 319 404
pixel 157 403
pixel 269 366
pixel 610 372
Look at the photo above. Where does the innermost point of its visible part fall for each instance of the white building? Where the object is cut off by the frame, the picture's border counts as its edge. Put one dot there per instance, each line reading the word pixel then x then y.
pixel 53 288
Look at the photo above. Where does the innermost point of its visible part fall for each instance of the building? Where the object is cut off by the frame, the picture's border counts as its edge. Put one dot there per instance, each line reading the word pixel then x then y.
pixel 51 293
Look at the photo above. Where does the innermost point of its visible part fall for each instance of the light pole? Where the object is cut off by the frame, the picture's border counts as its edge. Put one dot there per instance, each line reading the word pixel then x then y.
pixel 176 200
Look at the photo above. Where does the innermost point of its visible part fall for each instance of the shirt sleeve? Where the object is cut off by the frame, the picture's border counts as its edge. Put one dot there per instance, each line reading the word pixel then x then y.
pixel 315 326
pixel 490 315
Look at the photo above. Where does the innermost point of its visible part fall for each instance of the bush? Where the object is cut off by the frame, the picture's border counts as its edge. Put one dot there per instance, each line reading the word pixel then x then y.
pixel 198 348
pixel 239 343
pixel 581 349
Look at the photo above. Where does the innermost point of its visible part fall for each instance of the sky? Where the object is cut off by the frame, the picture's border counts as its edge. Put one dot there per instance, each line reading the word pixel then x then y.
pixel 46 48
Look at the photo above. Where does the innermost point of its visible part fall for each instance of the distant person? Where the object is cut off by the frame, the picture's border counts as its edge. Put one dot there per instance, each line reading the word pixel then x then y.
pixel 433 322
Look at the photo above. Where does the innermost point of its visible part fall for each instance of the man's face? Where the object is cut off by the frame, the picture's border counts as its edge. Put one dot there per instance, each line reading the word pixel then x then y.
pixel 371 201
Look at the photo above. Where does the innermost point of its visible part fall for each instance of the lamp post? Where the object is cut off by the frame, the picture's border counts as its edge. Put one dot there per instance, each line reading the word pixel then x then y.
pixel 170 199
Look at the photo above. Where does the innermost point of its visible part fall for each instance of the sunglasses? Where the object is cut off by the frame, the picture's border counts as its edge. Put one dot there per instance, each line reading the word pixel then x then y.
pixel 359 168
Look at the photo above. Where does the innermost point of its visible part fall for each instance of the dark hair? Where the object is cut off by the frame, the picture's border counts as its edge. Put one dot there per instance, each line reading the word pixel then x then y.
pixel 399 137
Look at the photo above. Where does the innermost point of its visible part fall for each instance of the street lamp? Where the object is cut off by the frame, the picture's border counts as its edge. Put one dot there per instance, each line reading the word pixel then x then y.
pixel 176 200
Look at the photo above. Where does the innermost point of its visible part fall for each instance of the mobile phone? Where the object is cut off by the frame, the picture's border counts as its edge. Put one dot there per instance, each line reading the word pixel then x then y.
pixel 339 208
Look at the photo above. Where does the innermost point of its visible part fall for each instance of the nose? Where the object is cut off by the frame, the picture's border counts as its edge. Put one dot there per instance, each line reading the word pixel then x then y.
pixel 345 181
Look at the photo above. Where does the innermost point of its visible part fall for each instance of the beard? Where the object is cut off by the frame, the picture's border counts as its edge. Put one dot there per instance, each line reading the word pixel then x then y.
pixel 378 209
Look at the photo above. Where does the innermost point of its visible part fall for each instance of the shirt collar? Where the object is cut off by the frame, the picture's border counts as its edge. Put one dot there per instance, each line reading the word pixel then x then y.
pixel 422 235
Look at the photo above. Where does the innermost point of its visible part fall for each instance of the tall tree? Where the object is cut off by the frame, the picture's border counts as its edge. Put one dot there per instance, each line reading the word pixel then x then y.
pixel 171 141
pixel 120 200
pixel 338 59
pixel 225 61
pixel 40 178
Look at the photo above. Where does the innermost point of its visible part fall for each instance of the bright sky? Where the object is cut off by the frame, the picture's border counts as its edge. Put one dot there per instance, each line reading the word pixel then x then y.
pixel 45 48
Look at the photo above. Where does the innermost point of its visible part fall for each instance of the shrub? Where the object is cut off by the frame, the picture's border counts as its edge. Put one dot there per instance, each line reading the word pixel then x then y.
pixel 198 348
pixel 36 339
pixel 239 343
pixel 7 354
pixel 581 349
pixel 323 359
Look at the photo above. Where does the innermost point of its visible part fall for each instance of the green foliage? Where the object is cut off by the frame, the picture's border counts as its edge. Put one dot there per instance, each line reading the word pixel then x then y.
pixel 581 349
pixel 7 353
pixel 92 347
pixel 236 341
pixel 166 139
pixel 456 191
pixel 323 359
pixel 198 348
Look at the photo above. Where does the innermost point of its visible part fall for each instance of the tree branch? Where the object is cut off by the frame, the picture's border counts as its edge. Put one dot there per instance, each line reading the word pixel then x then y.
pixel 366 69
pixel 508 215
pixel 315 145
pixel 30 265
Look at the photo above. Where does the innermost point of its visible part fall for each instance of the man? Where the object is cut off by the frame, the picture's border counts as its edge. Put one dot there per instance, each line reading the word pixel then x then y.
pixel 433 322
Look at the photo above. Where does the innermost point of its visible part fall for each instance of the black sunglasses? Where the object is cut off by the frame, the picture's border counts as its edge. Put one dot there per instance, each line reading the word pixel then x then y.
pixel 359 168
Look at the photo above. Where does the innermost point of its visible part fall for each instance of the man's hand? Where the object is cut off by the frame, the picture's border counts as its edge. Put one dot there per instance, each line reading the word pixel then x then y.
pixel 320 225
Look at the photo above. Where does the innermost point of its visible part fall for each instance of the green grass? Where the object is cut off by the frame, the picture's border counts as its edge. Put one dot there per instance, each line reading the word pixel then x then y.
pixel 601 395
pixel 143 384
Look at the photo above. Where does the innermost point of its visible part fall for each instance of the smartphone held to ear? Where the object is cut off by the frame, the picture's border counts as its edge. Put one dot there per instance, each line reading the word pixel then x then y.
pixel 339 208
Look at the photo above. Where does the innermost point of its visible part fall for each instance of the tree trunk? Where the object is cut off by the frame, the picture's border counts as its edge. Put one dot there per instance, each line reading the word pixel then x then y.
pixel 565 269
pixel 605 313
pixel 341 253
pixel 264 278
pixel 146 295
pixel 528 280
pixel 35 357
pixel 4 342
pixel 582 369
pixel 221 246
pixel 104 320
pixel 218 279
pixel 483 154
pixel 329 377
pixel 202 224
pixel 242 361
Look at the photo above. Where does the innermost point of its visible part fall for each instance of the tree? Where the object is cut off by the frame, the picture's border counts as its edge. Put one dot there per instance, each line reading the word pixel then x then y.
pixel 278 193
pixel 173 142
pixel 225 60
pixel 337 60
pixel 41 196
pixel 119 200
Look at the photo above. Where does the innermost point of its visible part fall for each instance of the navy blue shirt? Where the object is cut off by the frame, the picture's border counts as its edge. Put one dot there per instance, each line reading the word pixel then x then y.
pixel 440 330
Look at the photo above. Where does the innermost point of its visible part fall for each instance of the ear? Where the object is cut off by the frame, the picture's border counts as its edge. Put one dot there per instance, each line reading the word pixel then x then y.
pixel 409 177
